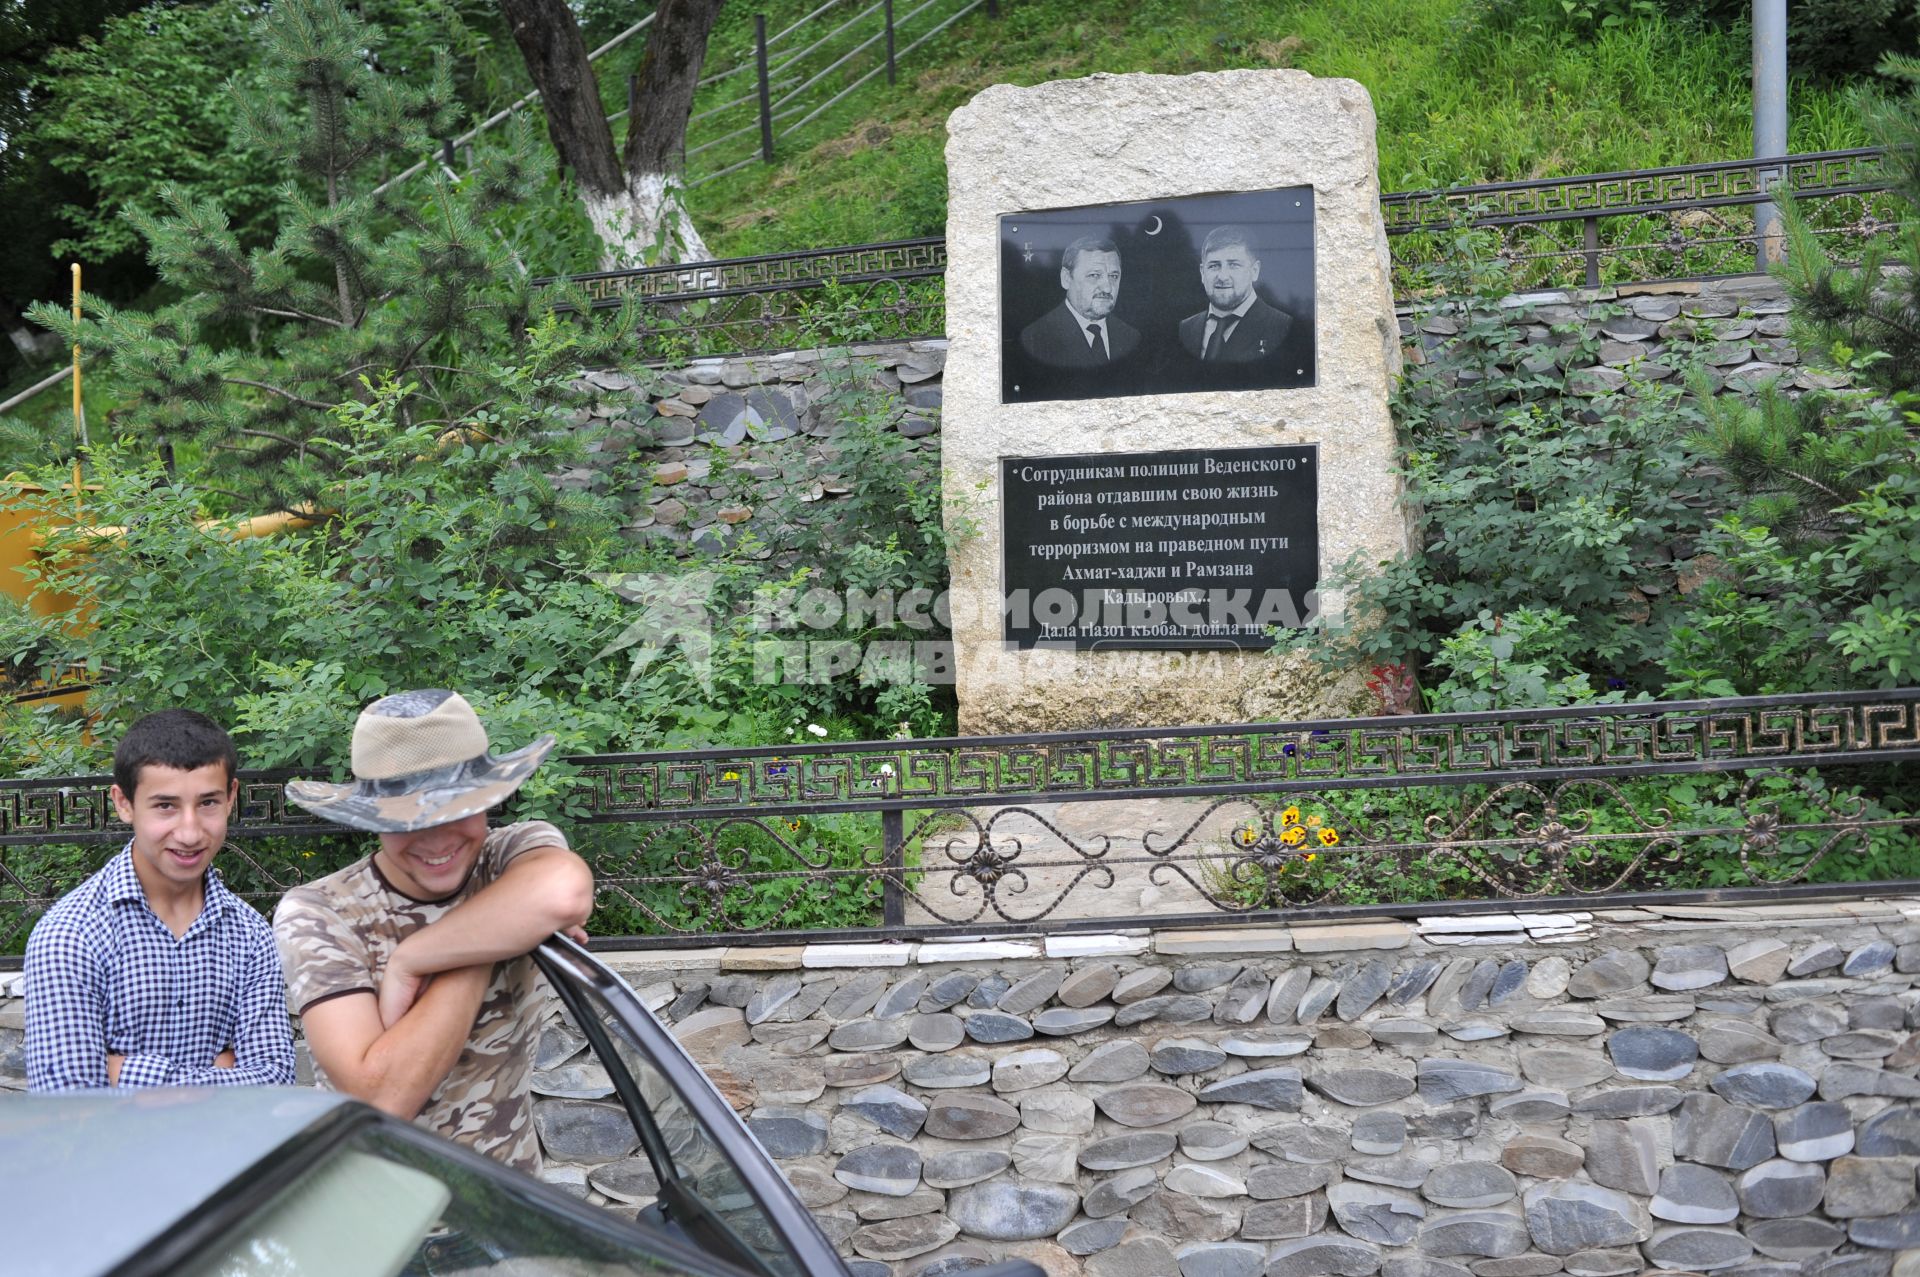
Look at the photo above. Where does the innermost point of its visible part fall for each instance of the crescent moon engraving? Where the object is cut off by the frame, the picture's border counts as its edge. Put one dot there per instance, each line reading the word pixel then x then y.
pixel 1156 225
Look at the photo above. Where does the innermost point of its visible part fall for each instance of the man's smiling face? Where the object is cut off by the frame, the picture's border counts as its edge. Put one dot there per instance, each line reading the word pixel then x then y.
pixel 432 864
pixel 179 820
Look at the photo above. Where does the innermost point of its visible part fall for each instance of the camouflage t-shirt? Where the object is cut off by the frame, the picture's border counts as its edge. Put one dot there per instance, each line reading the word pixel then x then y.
pixel 335 937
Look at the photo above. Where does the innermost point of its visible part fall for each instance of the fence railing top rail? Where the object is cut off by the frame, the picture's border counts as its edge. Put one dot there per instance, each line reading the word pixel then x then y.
pixel 1405 212
pixel 1493 747
pixel 720 265
pixel 1673 170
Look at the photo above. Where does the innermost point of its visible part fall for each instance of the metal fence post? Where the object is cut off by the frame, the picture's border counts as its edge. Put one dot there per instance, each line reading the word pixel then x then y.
pixel 1591 237
pixel 893 839
pixel 766 95
pixel 446 152
pixel 993 8
pixel 1769 120
pixel 887 7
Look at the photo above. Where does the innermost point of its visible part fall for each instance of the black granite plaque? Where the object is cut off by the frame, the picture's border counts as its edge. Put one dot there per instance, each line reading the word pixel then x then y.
pixel 1197 293
pixel 1186 549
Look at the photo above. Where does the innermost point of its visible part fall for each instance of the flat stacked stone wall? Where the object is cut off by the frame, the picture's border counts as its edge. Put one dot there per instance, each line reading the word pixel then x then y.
pixel 724 442
pixel 702 450
pixel 1740 329
pixel 1684 1089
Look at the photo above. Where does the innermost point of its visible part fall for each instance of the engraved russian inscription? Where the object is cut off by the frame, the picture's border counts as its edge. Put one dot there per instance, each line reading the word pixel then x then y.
pixel 1187 549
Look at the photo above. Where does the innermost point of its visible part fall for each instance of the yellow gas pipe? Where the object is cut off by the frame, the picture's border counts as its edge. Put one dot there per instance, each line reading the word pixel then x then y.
pixel 79 408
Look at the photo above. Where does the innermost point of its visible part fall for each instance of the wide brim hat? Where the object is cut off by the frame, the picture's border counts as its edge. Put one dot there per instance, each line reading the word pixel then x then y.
pixel 420 759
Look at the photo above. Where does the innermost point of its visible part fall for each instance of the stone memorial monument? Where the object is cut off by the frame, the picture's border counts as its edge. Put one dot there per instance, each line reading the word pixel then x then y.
pixel 1172 342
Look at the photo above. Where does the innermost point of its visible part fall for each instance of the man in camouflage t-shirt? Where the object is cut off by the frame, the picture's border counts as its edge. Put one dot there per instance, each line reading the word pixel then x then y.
pixel 409 969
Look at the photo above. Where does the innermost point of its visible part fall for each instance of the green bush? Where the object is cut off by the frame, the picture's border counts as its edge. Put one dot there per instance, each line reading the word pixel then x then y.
pixel 1522 659
pixel 1532 492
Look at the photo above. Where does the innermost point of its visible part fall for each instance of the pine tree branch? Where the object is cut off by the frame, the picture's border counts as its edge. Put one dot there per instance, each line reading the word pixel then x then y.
pixel 406 360
pixel 276 390
pixel 268 434
pixel 1813 483
pixel 347 317
pixel 228 492
pixel 296 314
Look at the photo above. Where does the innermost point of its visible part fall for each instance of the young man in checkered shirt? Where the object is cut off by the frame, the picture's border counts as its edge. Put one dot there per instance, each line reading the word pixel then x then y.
pixel 151 972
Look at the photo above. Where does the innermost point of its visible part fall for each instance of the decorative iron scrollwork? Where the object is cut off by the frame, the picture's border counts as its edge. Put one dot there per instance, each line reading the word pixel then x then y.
pixel 1254 817
pixel 1361 752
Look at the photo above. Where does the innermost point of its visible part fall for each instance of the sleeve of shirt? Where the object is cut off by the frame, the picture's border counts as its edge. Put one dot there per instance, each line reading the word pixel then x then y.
pixel 509 843
pixel 321 955
pixel 138 1071
pixel 66 1030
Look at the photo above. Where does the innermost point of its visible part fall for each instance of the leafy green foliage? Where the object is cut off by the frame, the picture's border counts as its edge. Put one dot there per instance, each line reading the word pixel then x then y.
pixel 1603 14
pixel 1754 627
pixel 466 569
pixel 1524 659
pixel 32 190
pixel 249 364
pixel 43 741
pixel 144 104
pixel 1537 493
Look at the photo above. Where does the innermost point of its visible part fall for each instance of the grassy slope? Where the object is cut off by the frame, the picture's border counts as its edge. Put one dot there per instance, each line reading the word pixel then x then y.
pixel 1459 99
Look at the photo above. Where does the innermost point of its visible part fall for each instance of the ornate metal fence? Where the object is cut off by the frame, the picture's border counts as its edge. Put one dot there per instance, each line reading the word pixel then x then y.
pixel 1420 814
pixel 1694 221
pixel 786 301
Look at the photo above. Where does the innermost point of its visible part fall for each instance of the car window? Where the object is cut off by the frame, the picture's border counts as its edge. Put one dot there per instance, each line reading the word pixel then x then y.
pixel 387 1208
pixel 698 1162
pixel 717 1184
pixel 392 1202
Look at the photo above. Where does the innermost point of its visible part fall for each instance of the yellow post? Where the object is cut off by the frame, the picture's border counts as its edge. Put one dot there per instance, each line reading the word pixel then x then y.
pixel 79 409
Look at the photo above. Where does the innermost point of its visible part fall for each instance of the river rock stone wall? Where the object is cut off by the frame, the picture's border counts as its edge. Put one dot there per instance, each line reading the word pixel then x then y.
pixel 1605 1093
pixel 1688 1090
pixel 723 443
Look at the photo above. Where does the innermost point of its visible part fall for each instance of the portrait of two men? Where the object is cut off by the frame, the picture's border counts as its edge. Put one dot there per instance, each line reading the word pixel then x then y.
pixel 1209 292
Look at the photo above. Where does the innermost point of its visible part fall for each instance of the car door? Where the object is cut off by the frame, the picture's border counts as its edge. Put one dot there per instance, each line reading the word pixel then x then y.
pixel 289 1182
pixel 718 1187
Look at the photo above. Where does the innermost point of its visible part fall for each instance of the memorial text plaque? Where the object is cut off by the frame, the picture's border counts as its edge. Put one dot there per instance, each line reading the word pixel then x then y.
pixel 1192 548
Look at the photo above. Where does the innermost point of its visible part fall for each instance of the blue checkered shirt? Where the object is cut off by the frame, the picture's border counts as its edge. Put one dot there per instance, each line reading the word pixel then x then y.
pixel 104 976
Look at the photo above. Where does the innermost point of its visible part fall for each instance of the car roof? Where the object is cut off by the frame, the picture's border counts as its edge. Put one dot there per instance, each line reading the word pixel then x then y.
pixel 87 1179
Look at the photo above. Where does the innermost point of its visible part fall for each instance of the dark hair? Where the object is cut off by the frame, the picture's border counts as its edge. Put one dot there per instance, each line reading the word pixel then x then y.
pixel 1087 244
pixel 1226 237
pixel 178 738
